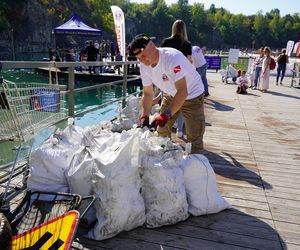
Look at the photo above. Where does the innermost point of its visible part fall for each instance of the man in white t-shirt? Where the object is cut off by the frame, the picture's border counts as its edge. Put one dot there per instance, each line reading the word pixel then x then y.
pixel 183 89
pixel 201 66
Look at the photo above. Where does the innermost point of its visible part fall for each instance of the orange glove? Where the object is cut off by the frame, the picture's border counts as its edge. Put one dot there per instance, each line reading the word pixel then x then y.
pixel 162 119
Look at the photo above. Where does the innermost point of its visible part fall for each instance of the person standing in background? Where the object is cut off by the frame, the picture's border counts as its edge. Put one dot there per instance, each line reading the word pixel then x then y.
pixel 281 60
pixel 266 70
pixel 179 40
pixel 258 66
pixel 198 60
pixel 91 53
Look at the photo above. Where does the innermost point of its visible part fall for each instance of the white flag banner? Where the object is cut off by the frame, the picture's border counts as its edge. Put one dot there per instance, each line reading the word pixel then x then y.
pixel 119 21
pixel 289 47
pixel 296 47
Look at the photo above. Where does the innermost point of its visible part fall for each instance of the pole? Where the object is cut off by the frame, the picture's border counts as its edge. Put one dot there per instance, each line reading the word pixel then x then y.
pixel 124 85
pixel 13 44
pixel 71 83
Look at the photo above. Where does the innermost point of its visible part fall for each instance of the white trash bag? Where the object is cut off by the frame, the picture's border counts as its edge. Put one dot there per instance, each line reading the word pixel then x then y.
pixel 132 110
pixel 48 164
pixel 53 157
pixel 201 186
pixel 119 204
pixel 162 181
pixel 83 170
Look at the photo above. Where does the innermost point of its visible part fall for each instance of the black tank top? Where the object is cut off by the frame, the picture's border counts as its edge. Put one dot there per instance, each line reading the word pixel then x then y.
pixel 282 60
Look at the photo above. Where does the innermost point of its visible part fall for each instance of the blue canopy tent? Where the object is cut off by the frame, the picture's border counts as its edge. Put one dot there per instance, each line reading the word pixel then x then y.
pixel 75 26
pixel 72 33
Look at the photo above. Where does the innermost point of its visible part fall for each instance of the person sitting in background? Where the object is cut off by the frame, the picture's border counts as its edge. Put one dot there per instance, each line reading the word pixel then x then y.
pixel 242 82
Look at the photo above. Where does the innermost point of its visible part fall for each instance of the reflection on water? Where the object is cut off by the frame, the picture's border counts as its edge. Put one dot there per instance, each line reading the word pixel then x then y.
pixel 82 100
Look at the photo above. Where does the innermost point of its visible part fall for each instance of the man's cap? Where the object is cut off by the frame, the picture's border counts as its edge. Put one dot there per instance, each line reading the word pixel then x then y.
pixel 139 42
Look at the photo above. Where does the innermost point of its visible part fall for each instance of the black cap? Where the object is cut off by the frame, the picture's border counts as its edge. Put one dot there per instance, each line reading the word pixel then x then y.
pixel 139 42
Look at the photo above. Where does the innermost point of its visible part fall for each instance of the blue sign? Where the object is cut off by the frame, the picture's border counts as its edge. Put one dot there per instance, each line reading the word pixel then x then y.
pixel 213 62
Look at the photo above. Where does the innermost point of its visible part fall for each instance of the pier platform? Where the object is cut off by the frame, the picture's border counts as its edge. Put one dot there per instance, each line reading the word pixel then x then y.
pixel 253 143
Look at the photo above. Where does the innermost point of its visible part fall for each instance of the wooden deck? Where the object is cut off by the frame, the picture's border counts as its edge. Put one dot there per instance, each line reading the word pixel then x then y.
pixel 253 144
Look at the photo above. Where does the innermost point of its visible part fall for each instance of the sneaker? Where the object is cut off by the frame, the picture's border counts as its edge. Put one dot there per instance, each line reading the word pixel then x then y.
pixel 280 83
pixel 179 134
pixel 276 83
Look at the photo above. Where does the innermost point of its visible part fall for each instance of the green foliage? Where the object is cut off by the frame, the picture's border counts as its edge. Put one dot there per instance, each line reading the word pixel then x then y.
pixel 214 27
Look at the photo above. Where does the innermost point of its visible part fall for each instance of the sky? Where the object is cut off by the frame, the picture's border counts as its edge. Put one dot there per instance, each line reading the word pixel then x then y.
pixel 246 7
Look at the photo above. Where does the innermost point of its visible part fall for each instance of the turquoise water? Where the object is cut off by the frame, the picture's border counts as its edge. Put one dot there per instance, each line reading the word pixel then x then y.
pixel 83 101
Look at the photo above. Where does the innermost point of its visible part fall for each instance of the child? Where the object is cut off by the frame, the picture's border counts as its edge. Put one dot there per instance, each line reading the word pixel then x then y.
pixel 242 82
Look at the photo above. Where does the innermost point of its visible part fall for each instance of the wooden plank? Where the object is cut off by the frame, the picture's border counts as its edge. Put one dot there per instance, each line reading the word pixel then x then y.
pixel 243 196
pixel 252 183
pixel 244 190
pixel 284 209
pixel 224 237
pixel 180 238
pixel 288 236
pixel 283 180
pixel 261 214
pixel 248 203
pixel 287 202
pixel 283 195
pixel 237 225
pixel 118 243
pixel 284 189
pixel 286 217
pixel 288 246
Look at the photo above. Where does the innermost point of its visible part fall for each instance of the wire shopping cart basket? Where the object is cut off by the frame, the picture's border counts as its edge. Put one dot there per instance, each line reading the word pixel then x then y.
pixel 27 108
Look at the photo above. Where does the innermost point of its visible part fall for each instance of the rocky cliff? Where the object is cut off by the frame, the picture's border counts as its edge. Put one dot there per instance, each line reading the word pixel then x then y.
pixel 29 31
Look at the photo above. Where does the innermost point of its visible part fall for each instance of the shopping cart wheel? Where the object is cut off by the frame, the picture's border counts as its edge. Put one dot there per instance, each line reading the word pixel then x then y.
pixel 5 233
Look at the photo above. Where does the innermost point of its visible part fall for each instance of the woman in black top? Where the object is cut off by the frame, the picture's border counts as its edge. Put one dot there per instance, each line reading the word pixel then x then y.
pixel 282 60
pixel 179 39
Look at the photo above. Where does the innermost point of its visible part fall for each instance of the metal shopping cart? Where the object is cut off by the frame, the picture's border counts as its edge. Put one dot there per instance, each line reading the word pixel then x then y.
pixel 26 108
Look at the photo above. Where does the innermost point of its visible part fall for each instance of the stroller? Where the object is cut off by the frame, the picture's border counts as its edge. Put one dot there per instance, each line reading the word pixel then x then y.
pixel 229 73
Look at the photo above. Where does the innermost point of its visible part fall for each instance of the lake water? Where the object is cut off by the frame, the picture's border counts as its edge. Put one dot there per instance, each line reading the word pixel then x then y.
pixel 83 101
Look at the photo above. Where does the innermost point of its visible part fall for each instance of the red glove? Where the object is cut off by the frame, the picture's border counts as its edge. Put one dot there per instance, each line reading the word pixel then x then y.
pixel 144 121
pixel 161 120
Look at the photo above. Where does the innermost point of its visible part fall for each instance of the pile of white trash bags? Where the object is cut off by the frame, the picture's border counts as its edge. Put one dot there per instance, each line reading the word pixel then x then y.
pixel 137 177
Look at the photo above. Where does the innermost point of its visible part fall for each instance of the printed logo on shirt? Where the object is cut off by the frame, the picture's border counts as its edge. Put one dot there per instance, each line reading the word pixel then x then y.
pixel 165 77
pixel 177 69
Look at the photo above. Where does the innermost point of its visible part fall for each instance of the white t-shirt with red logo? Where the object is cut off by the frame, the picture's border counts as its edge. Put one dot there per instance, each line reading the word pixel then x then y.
pixel 198 58
pixel 171 67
